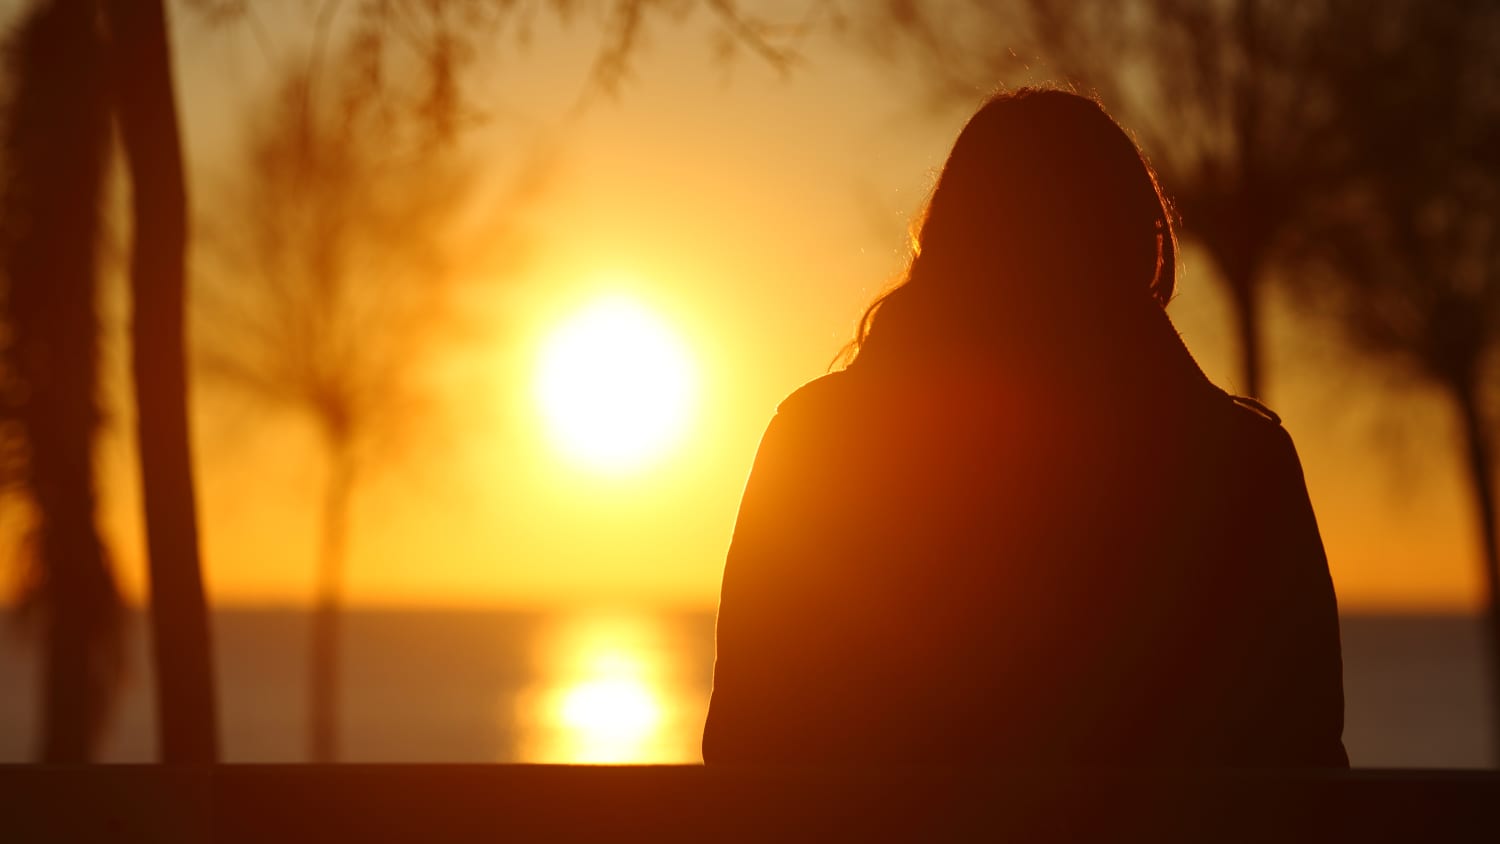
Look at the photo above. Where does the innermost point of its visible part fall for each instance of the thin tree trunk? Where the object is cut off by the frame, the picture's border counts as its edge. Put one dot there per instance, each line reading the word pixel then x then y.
pixel 186 715
pixel 1244 243
pixel 1236 250
pixel 1478 456
pixel 323 680
pixel 1247 326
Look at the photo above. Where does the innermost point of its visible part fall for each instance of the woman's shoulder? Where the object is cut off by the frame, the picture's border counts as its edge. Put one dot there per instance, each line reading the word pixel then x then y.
pixel 1256 407
pixel 825 394
pixel 1252 419
pixel 836 407
pixel 1258 440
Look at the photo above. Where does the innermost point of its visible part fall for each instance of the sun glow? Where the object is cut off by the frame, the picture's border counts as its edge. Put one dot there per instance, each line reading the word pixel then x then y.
pixel 610 711
pixel 614 385
pixel 610 697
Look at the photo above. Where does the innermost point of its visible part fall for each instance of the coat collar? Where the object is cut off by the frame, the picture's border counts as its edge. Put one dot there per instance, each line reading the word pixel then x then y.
pixel 1126 355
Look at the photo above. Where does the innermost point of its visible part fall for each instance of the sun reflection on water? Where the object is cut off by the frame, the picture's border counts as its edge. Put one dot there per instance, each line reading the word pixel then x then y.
pixel 612 695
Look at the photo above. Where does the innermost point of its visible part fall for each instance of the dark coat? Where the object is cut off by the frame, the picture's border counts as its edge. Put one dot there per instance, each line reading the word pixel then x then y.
pixel 1102 560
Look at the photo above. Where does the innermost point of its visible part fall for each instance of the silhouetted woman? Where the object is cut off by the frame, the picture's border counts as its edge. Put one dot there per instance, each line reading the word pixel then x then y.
pixel 1021 527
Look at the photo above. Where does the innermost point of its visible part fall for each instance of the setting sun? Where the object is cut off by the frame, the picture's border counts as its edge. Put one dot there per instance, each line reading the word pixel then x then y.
pixel 614 385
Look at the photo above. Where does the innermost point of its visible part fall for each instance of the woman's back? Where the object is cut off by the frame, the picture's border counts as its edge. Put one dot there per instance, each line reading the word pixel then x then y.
pixel 966 565
pixel 1022 527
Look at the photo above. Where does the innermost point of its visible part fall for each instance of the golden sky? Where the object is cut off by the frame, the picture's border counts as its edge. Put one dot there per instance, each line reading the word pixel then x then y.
pixel 753 214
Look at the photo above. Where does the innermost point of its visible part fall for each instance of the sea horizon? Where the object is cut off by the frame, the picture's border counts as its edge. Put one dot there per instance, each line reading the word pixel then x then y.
pixel 627 684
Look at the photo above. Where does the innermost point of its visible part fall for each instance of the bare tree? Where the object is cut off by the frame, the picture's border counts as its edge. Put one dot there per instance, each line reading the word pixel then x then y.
pixel 58 132
pixel 181 644
pixel 444 41
pixel 336 248
pixel 1224 97
pixel 55 137
pixel 332 262
pixel 1405 256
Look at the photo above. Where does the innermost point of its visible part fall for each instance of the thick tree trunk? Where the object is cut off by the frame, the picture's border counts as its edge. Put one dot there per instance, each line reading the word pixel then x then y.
pixel 56 130
pixel 324 653
pixel 82 612
pixel 186 714
pixel 80 604
pixel 1479 459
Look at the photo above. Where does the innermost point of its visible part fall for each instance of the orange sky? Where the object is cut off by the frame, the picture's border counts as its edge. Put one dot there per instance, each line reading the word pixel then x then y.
pixel 756 214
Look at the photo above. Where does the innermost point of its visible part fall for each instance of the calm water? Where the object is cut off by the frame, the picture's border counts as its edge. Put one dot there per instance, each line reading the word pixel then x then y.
pixel 470 686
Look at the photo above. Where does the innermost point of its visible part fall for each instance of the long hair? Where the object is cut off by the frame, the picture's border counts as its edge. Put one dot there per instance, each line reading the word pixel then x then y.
pixel 1045 210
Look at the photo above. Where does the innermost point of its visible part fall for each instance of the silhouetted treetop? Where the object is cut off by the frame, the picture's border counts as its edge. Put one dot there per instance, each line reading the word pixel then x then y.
pixel 421 55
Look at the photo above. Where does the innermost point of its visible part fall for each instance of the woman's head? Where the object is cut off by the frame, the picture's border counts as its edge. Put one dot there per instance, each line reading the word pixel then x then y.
pixel 1045 207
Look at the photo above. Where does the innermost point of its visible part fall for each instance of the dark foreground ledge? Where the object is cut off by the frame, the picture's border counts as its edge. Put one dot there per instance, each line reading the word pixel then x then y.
pixel 436 803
